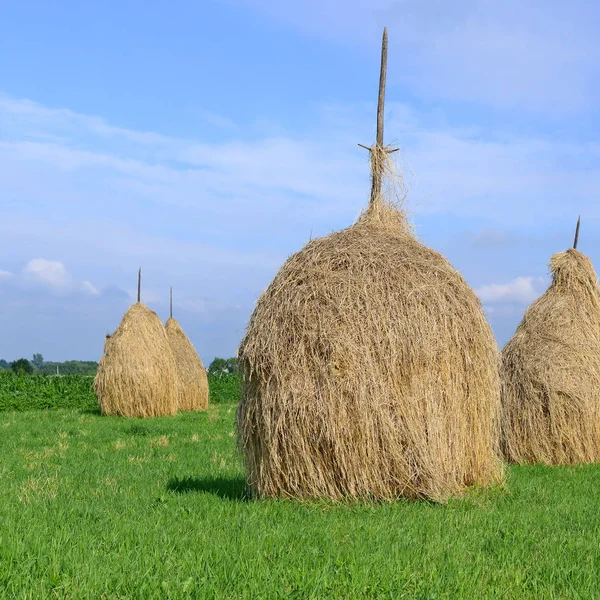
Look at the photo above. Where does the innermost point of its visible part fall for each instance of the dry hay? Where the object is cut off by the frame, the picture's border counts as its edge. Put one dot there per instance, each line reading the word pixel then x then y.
pixel 550 371
pixel 137 375
pixel 193 382
pixel 370 371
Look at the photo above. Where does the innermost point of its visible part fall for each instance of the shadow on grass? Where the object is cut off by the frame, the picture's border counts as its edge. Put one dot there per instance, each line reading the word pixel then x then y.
pixel 91 411
pixel 228 488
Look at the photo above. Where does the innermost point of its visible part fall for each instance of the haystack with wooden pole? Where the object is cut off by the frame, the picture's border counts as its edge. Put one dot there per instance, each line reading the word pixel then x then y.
pixel 550 370
pixel 191 374
pixel 137 376
pixel 369 369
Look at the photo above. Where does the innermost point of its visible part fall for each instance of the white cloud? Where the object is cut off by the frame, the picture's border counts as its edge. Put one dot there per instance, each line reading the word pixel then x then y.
pixel 5 274
pixel 54 274
pixel 51 272
pixel 522 290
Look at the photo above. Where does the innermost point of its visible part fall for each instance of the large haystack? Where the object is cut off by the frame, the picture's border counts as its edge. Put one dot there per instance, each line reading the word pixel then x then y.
pixel 137 376
pixel 192 379
pixel 369 369
pixel 550 371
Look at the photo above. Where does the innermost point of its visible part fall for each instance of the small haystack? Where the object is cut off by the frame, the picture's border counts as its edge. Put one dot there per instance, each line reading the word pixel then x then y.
pixel 550 371
pixel 369 368
pixel 193 382
pixel 137 376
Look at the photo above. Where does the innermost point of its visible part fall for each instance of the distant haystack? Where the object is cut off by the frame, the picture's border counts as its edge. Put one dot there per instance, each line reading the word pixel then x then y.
pixel 550 371
pixel 137 376
pixel 192 379
pixel 369 370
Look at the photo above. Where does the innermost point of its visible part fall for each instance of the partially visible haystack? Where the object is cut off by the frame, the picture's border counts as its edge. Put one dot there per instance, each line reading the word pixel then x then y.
pixel 550 371
pixel 137 376
pixel 369 370
pixel 192 378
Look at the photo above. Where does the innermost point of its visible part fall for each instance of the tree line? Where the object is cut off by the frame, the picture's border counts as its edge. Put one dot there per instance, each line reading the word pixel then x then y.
pixel 38 366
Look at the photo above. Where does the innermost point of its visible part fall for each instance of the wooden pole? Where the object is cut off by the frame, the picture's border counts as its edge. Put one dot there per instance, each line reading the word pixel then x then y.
pixel 377 169
pixel 139 283
pixel 577 232
pixel 381 98
pixel 171 303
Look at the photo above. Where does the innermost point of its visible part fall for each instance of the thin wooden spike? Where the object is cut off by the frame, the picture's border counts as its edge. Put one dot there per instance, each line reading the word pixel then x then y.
pixel 171 303
pixel 577 232
pixel 377 165
pixel 139 283
pixel 381 99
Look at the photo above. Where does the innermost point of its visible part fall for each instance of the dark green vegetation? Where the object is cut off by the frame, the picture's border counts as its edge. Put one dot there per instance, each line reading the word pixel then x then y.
pixel 38 366
pixel 224 388
pixel 95 507
pixel 22 365
pixel 69 367
pixel 23 392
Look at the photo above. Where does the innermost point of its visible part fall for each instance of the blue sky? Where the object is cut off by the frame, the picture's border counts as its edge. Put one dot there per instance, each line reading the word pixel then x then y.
pixel 205 141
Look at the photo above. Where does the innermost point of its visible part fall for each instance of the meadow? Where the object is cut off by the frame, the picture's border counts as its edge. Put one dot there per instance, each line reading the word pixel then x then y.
pixel 102 507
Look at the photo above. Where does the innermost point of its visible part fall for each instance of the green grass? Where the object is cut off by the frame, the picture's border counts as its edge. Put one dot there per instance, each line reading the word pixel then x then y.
pixel 32 392
pixel 99 507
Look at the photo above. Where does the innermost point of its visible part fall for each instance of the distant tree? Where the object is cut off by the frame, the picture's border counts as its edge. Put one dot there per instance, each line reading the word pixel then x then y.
pixel 22 365
pixel 69 367
pixel 38 360
pixel 218 365
pixel 223 365
pixel 4 364
pixel 231 365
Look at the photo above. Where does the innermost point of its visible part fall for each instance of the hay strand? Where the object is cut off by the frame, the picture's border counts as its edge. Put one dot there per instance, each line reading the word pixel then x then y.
pixel 550 371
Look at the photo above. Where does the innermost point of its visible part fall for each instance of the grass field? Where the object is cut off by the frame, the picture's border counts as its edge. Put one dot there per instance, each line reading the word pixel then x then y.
pixel 99 507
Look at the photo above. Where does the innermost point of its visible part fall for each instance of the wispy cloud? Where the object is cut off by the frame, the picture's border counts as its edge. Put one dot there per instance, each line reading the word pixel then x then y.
pixel 54 274
pixel 541 56
pixel 464 172
pixel 522 290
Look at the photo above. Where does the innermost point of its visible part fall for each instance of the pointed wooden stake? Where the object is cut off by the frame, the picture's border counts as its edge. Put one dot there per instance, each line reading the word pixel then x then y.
pixel 577 232
pixel 377 172
pixel 381 98
pixel 139 283
pixel 171 303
